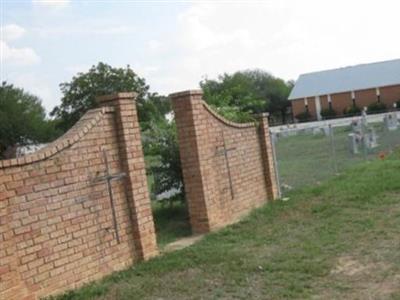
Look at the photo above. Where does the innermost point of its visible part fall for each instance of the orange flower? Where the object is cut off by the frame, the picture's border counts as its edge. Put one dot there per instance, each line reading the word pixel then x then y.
pixel 382 155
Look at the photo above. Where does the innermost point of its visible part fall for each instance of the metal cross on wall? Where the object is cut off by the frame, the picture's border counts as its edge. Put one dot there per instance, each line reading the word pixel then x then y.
pixel 108 178
pixel 225 152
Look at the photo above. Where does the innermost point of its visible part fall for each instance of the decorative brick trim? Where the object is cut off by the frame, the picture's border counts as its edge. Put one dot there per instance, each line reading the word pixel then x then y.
pixel 78 131
pixel 225 121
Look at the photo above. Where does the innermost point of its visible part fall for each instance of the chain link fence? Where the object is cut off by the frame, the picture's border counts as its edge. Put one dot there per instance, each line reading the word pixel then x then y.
pixel 308 153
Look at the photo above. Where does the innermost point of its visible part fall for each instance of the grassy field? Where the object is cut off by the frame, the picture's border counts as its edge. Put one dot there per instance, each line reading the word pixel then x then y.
pixel 337 240
pixel 307 159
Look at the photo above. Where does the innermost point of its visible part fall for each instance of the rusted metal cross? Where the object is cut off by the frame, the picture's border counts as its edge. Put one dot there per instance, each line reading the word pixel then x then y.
pixel 225 151
pixel 108 178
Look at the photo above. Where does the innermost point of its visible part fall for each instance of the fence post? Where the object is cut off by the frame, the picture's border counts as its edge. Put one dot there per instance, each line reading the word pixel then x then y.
pixel 333 149
pixel 269 158
pixel 132 163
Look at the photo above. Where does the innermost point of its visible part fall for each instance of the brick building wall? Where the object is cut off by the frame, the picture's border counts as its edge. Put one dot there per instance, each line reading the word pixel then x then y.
pixel 340 101
pixel 390 94
pixel 56 226
pixel 220 189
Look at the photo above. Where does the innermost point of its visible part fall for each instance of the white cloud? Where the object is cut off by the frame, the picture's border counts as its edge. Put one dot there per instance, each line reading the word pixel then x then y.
pixel 284 37
pixel 75 69
pixel 154 45
pixel 83 29
pixel 11 32
pixel 39 86
pixel 12 55
pixel 51 3
pixel 17 56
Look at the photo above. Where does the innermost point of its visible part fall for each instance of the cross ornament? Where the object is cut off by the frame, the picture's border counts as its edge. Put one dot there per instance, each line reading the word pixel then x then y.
pixel 108 178
pixel 225 151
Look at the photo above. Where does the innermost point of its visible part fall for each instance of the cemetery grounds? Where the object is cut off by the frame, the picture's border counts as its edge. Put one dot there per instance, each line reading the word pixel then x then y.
pixel 307 157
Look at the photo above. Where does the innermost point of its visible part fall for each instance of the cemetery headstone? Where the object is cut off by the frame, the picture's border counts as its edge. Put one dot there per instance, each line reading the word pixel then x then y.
pixel 356 125
pixel 370 138
pixel 391 122
pixel 327 130
pixel 354 142
pixel 364 120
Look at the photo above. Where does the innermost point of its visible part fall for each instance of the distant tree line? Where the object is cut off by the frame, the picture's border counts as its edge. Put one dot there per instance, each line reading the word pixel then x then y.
pixel 237 96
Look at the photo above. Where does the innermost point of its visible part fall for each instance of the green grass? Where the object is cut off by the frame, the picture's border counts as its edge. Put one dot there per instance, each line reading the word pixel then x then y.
pixel 171 222
pixel 338 240
pixel 308 159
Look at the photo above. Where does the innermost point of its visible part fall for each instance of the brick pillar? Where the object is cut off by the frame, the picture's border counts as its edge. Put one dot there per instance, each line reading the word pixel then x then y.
pixel 267 154
pixel 190 122
pixel 132 163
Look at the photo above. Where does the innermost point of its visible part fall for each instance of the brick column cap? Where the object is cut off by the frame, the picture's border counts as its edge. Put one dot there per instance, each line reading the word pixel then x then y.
pixel 186 93
pixel 263 115
pixel 121 95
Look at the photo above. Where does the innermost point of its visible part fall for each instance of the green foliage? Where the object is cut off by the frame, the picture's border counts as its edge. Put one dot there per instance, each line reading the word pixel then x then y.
pixel 160 143
pixel 352 110
pixel 303 117
pixel 22 120
pixel 377 107
pixel 398 104
pixel 159 137
pixel 79 95
pixel 328 113
pixel 240 95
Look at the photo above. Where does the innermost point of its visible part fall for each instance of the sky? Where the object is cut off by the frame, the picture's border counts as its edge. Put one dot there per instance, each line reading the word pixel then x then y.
pixel 176 44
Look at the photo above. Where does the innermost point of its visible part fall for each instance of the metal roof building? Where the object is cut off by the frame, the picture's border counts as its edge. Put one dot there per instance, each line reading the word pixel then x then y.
pixel 352 78
pixel 342 89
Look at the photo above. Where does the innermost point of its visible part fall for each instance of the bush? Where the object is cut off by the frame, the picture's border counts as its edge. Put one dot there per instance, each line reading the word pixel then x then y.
pixel 377 107
pixel 328 113
pixel 353 110
pixel 303 117
pixel 160 144
pixel 398 104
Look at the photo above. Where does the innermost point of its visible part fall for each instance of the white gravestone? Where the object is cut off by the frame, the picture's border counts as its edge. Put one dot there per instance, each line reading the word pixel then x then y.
pixel 327 130
pixel 355 142
pixel 370 139
pixel 364 121
pixel 391 122
pixel 356 125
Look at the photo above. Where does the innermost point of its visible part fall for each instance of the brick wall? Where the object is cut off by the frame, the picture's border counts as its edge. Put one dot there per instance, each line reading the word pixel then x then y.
pixel 365 97
pixel 324 102
pixel 298 107
pixel 220 189
pixel 340 101
pixel 56 226
pixel 390 94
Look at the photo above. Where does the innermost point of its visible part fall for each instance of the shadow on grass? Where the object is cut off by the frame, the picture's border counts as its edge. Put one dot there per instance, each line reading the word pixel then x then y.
pixel 171 222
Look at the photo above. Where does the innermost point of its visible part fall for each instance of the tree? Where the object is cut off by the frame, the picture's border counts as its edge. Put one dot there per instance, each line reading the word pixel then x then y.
pixel 159 137
pixel 244 93
pixel 22 120
pixel 79 95
pixel 160 143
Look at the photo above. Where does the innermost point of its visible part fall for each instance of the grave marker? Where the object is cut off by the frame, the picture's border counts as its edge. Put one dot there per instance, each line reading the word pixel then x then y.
pixel 391 122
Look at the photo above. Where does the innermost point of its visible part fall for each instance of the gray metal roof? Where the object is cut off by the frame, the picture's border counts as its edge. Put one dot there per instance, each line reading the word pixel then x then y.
pixel 352 78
